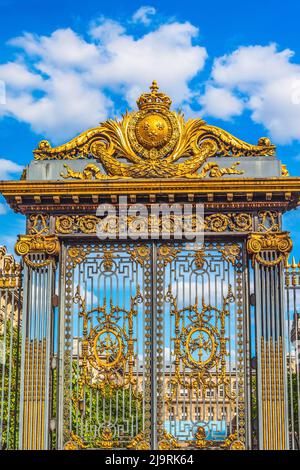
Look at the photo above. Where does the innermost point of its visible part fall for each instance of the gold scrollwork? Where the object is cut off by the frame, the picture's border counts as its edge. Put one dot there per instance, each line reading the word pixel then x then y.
pixel 38 244
pixel 200 346
pixel 233 443
pixel 89 172
pixel 77 254
pixel 235 222
pixel 268 221
pixel 199 258
pixel 230 252
pixel 140 254
pixel 39 224
pixel 241 222
pixel 213 170
pixel 108 347
pixel 168 442
pixel 105 442
pixel 152 140
pixel 139 443
pixel 260 243
pixel 167 253
pixel 75 443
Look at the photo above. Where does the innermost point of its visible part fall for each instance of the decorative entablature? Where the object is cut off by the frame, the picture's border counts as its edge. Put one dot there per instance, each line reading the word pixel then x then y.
pixel 153 155
pixel 38 225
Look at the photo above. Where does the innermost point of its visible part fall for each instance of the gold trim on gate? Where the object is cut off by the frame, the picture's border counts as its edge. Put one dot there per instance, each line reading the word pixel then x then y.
pixel 202 336
pixel 219 223
pixel 108 356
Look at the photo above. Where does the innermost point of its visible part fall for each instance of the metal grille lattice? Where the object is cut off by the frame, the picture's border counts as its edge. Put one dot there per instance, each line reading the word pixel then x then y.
pixel 153 346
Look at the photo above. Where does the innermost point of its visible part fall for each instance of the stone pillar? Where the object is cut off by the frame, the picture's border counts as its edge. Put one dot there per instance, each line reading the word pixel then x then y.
pixel 39 254
pixel 269 252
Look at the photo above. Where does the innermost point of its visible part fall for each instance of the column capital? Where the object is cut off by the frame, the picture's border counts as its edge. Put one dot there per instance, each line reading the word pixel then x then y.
pixel 47 245
pixel 259 243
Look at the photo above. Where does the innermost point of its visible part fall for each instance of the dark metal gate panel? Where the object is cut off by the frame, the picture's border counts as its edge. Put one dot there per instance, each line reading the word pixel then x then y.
pixel 201 356
pixel 105 348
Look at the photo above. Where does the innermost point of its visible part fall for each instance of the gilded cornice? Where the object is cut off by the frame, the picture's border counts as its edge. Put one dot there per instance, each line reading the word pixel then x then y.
pixel 241 185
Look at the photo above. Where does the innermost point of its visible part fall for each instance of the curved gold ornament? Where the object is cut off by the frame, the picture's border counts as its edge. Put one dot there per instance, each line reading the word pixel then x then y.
pixel 107 347
pixel 168 442
pixel 199 346
pixel 139 442
pixel 75 443
pixel 106 441
pixel 200 441
pixel 279 242
pixel 269 221
pixel 153 142
pixel 232 442
pixel 235 222
pixel 230 252
pixel 38 244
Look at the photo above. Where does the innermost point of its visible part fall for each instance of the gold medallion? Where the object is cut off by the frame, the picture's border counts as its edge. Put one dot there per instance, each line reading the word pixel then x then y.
pixel 153 131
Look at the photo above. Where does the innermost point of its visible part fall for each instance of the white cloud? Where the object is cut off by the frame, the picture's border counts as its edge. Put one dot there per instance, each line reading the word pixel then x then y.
pixel 263 80
pixel 63 83
pixel 220 103
pixel 19 77
pixel 60 84
pixel 106 30
pixel 144 15
pixel 7 167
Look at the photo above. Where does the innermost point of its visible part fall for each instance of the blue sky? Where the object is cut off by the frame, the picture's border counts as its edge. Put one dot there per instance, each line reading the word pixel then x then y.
pixel 68 65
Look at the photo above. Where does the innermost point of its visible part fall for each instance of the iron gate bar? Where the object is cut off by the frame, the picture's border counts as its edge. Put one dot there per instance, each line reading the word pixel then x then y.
pixel 154 395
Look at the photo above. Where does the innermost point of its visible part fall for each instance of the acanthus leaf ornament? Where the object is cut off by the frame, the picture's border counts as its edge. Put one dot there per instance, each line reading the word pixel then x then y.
pixel 153 142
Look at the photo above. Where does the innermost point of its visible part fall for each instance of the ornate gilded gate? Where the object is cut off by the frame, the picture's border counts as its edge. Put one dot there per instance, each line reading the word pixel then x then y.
pixel 152 346
pixel 132 335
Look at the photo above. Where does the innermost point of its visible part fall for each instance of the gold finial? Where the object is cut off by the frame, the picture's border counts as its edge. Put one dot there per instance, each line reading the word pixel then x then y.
pixel 154 87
